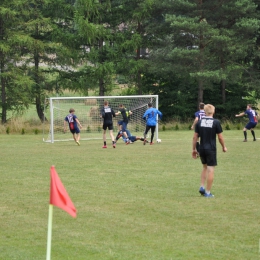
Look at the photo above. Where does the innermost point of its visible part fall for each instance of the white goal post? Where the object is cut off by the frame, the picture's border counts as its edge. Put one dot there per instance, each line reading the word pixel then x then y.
pixel 87 109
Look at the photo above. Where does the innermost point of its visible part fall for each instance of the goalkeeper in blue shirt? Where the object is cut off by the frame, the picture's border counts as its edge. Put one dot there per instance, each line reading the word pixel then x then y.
pixel 150 116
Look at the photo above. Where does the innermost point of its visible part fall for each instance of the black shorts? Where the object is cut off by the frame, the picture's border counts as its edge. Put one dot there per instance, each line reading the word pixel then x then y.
pixel 109 126
pixel 208 157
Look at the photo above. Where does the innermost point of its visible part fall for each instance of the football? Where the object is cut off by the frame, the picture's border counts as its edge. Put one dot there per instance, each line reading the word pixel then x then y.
pixel 159 141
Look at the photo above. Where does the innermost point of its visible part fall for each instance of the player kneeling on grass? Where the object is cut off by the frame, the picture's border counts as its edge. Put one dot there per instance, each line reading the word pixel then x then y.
pixel 207 128
pixel 73 121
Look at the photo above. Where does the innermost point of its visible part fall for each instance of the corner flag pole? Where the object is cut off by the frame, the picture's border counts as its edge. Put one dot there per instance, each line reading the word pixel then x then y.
pixel 48 254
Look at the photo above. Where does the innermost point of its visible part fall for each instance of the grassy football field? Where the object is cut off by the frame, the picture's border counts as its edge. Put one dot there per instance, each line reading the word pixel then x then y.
pixel 134 202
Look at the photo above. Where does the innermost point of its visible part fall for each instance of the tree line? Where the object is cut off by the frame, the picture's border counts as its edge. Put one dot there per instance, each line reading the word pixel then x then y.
pixel 187 52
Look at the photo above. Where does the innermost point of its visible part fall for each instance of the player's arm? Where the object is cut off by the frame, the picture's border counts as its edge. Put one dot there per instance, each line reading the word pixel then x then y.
pixel 194 142
pixel 118 113
pixel 221 141
pixel 241 114
pixel 78 123
pixel 160 114
pixel 144 116
pixel 65 123
pixel 113 113
pixel 194 123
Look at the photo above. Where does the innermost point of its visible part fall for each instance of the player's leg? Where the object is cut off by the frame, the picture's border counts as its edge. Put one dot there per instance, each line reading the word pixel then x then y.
pixel 112 135
pixel 77 135
pixel 78 138
pixel 245 132
pixel 124 126
pixel 152 133
pixel 211 157
pixel 210 178
pixel 147 128
pixel 104 136
pixel 203 177
pixel 252 130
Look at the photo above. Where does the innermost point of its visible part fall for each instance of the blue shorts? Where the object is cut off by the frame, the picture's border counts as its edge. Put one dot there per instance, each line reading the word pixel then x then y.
pixel 132 138
pixel 124 126
pixel 250 125
pixel 75 131
pixel 208 157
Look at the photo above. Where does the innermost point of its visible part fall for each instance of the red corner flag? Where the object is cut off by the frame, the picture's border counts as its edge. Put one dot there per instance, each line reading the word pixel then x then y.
pixel 59 196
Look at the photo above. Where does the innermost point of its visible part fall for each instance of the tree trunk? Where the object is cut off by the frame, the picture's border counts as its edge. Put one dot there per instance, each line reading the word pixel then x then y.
pixel 200 92
pixel 223 91
pixel 101 87
pixel 2 80
pixel 3 96
pixel 223 83
pixel 138 54
pixel 38 102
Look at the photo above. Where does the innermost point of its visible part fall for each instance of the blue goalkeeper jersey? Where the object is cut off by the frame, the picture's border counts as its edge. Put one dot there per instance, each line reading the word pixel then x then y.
pixel 150 116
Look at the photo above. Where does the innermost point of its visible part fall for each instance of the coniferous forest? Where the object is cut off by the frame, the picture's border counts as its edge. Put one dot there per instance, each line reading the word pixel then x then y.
pixel 185 51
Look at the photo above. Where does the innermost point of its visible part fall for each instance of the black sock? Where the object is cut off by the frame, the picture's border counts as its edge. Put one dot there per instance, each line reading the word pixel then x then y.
pixel 245 134
pixel 105 143
pixel 253 133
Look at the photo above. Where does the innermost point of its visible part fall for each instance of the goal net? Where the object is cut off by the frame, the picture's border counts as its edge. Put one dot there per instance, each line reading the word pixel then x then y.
pixel 87 110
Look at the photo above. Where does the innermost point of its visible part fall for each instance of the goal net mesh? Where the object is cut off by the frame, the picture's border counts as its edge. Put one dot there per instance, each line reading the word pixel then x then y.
pixel 87 110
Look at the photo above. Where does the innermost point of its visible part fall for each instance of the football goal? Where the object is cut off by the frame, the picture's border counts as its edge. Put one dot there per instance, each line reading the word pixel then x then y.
pixel 87 109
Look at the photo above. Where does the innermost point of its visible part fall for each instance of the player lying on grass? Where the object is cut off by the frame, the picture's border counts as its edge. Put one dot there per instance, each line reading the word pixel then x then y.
pixel 132 138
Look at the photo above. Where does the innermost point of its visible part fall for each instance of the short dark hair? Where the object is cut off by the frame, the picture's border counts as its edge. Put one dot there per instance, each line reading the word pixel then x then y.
pixel 201 106
pixel 150 104
pixel 72 110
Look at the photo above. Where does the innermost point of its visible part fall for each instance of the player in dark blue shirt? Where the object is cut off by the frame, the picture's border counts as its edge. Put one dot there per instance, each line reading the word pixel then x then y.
pixel 198 115
pixel 252 115
pixel 207 129
pixel 73 122
pixel 107 113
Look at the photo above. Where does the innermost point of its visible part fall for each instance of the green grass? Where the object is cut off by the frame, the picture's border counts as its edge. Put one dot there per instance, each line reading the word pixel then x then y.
pixel 133 202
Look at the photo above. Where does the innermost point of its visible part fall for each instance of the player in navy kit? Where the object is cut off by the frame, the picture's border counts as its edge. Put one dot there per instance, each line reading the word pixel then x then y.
pixel 198 115
pixel 252 115
pixel 207 128
pixel 150 116
pixel 107 113
pixel 73 121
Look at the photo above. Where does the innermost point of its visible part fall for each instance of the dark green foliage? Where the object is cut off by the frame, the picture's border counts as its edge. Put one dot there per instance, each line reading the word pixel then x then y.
pixel 23 131
pixel 227 127
pixel 7 130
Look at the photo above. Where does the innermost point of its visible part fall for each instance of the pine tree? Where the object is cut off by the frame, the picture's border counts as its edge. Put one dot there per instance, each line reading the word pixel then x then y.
pixel 15 86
